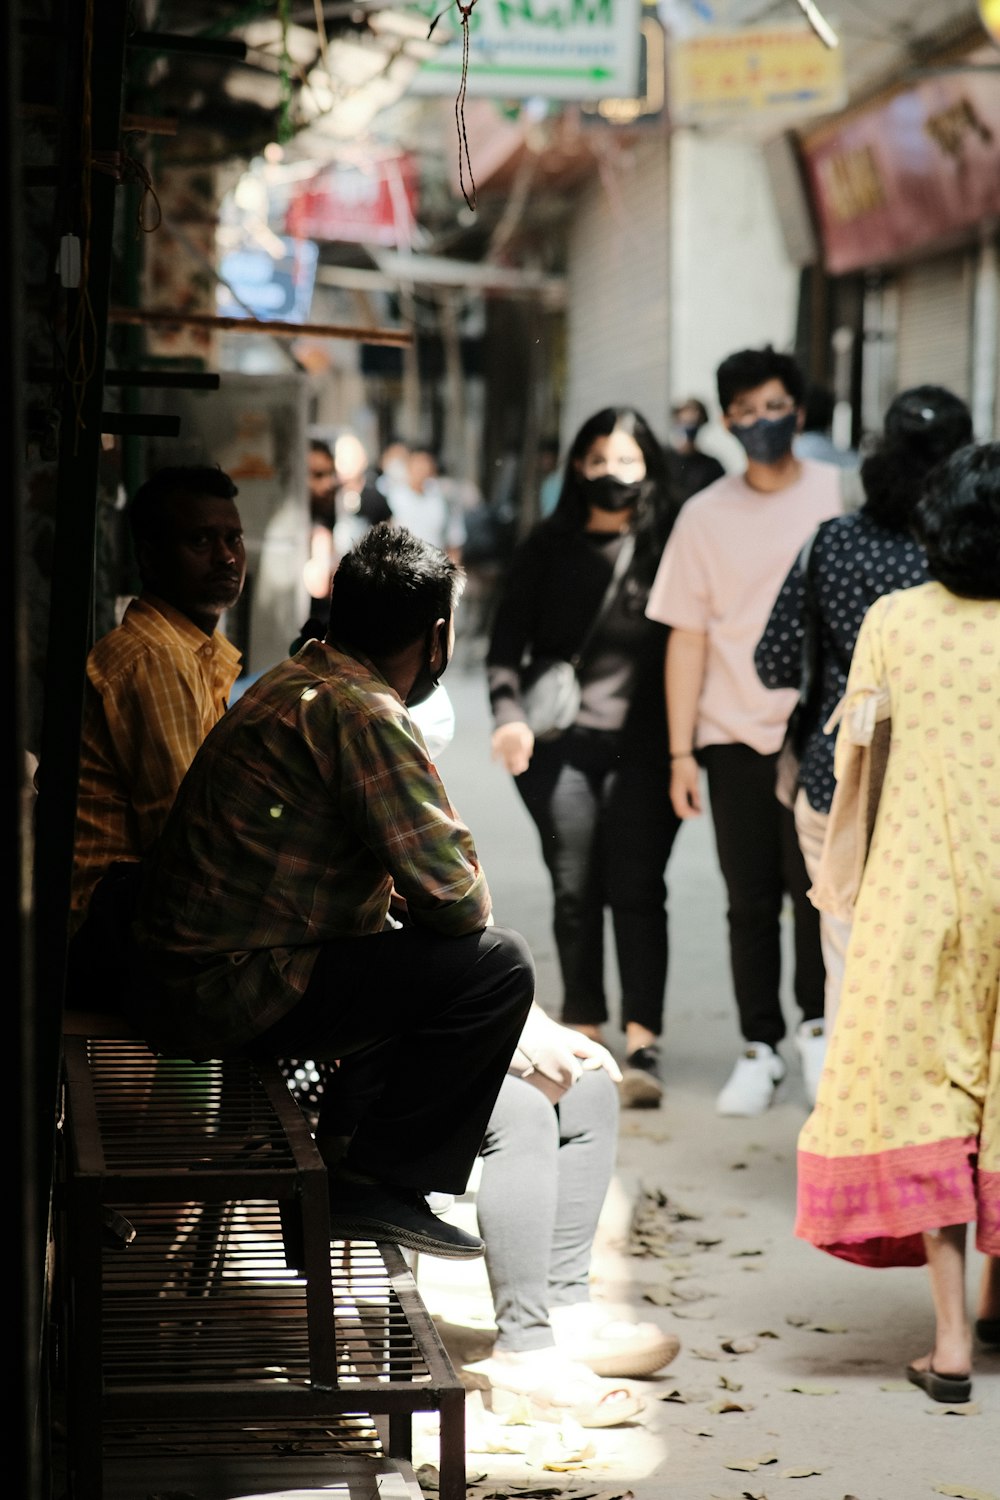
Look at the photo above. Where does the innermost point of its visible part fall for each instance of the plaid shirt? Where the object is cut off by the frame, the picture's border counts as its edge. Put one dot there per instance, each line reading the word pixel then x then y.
pixel 305 808
pixel 155 686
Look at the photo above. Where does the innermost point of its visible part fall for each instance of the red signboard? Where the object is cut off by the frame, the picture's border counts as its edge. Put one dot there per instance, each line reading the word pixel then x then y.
pixel 923 166
pixel 373 205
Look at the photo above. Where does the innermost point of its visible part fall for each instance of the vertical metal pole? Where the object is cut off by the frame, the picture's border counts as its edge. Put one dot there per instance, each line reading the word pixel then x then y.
pixel 97 62
pixel 985 324
pixel 103 43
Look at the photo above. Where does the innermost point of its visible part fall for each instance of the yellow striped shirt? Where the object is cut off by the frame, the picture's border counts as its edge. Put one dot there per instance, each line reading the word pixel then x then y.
pixel 155 686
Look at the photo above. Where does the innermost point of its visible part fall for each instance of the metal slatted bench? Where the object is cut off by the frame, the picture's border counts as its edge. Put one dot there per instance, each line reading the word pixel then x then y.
pixel 207 1311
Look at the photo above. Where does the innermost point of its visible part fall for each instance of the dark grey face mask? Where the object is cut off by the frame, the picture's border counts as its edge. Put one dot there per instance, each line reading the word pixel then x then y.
pixel 608 492
pixel 767 440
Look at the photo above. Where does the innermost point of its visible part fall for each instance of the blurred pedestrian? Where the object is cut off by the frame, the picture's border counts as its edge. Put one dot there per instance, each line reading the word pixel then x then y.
pixel 848 564
pixel 575 593
pixel 419 503
pixel 317 575
pixel 815 440
pixel 720 573
pixel 902 1150
pixel 688 468
pixel 358 502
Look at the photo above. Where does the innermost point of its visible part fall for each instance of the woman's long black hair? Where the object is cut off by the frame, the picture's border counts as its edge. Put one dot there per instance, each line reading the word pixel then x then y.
pixel 655 512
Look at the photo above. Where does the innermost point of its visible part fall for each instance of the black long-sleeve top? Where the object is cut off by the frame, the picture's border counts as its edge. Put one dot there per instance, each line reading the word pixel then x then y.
pixel 553 589
pixel 853 562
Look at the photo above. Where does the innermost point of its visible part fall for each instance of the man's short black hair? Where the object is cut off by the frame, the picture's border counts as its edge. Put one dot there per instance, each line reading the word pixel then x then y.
pixel 748 368
pixel 958 522
pixel 389 589
pixel 320 445
pixel 145 511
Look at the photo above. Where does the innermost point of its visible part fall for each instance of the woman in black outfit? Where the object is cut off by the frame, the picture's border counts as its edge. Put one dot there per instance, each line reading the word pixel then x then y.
pixel 597 792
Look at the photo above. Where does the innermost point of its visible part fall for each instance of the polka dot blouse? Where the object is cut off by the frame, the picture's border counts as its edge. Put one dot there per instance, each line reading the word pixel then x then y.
pixel 853 562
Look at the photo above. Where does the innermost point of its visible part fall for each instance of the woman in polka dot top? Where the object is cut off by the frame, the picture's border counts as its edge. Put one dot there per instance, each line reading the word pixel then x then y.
pixel 852 561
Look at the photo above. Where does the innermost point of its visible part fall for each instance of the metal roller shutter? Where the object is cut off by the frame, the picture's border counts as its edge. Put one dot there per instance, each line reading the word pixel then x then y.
pixel 934 341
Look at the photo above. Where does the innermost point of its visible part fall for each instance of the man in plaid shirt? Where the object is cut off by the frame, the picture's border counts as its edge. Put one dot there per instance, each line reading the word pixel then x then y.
pixel 264 925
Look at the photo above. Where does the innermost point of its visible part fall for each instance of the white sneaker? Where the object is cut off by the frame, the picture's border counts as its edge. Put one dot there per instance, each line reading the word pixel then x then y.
pixel 752 1083
pixel 811 1042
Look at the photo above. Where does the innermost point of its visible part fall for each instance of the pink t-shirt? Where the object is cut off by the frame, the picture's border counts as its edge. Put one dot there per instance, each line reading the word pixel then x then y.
pixel 720 573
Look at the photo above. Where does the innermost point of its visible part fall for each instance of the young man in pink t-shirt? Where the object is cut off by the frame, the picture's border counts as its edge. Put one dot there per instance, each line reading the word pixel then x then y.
pixel 723 566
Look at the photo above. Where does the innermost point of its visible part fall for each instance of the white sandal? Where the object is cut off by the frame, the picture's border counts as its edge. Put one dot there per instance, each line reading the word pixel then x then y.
pixel 613 1348
pixel 552 1387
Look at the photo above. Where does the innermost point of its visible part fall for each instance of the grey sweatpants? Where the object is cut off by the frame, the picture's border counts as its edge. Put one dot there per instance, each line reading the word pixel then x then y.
pixel 546 1170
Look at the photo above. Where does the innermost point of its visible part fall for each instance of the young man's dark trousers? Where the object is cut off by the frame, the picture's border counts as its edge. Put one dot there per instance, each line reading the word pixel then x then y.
pixel 434 1022
pixel 760 860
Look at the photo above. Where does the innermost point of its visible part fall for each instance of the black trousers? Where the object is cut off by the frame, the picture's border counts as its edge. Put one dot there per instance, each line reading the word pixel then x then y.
pixel 442 1016
pixel 760 860
pixel 601 805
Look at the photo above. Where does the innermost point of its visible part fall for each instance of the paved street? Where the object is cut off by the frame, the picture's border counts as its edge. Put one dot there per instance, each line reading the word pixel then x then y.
pixel 790 1377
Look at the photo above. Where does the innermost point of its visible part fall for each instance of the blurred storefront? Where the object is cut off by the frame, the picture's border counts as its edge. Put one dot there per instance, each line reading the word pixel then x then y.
pixel 906 193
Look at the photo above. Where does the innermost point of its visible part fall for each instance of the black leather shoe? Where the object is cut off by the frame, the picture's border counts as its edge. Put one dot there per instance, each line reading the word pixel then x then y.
pixel 377 1211
pixel 640 1087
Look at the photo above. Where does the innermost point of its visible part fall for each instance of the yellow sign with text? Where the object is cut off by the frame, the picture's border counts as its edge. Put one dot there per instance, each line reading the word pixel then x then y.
pixel 784 70
pixel 989 10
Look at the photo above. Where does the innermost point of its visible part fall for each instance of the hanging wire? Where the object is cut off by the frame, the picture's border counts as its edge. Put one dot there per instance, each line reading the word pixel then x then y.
pixel 464 159
pixel 286 129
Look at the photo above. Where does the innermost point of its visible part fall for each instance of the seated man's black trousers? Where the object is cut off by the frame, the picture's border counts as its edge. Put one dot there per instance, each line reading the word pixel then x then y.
pixel 444 1015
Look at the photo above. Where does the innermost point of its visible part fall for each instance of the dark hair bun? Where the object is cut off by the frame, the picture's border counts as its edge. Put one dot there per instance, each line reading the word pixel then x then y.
pixel 931 416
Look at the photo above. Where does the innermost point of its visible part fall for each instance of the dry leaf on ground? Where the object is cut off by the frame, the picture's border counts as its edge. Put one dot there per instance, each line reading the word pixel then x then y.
pixel 660 1296
pixel 805 1472
pixel 967 1409
pixel 720 1408
pixel 963 1492
pixel 739 1346
pixel 730 1385
pixel 803 1389
pixel 903 1387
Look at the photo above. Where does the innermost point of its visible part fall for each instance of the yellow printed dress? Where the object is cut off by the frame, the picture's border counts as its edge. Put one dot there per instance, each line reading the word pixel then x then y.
pixel 905 1134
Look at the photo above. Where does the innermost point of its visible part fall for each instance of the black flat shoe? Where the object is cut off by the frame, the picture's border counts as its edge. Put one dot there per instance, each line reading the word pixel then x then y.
pixel 379 1212
pixel 640 1087
pixel 951 1389
pixel 988 1331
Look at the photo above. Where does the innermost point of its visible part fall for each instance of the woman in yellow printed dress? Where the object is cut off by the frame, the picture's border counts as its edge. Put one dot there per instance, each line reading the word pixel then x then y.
pixel 902 1150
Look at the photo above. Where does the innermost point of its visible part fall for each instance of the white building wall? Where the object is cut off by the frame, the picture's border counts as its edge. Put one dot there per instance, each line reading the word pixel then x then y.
pixel 732 285
pixel 617 338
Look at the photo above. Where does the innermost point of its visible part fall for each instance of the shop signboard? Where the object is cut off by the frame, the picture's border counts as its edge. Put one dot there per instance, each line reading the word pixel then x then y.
pixel 921 167
pixel 718 77
pixel 575 50
pixel 371 205
pixel 268 285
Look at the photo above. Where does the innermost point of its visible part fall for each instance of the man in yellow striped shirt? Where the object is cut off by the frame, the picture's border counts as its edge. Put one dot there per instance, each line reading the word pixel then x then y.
pixel 156 685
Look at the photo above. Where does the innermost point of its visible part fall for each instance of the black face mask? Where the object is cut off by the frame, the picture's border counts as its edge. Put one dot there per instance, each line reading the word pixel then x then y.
pixel 427 680
pixel 610 493
pixel 767 440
